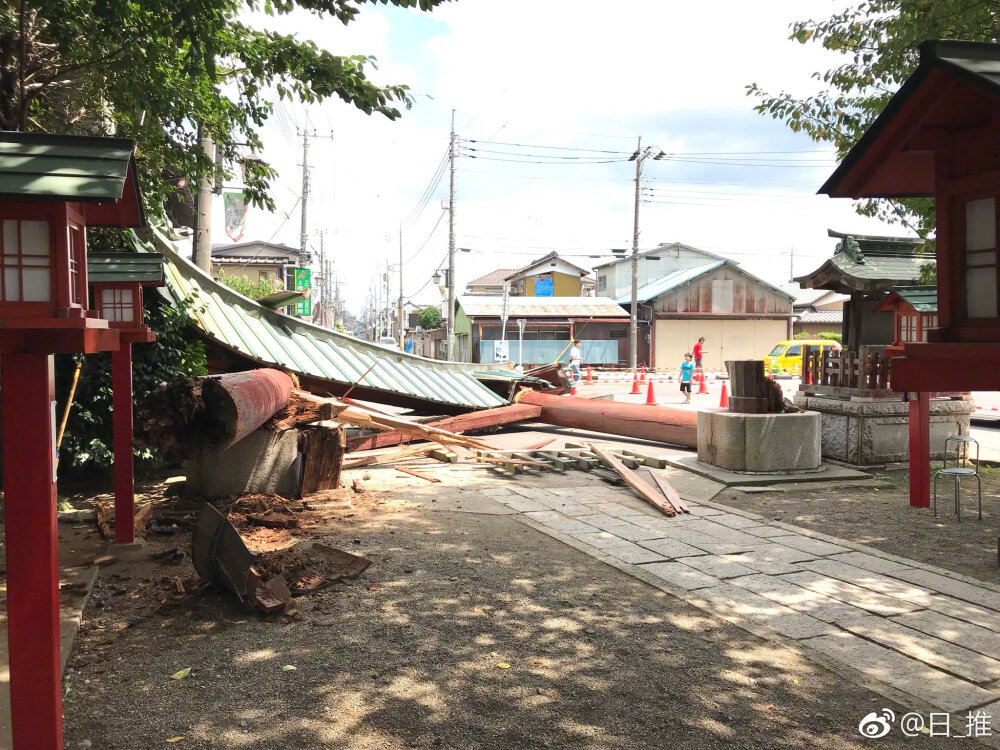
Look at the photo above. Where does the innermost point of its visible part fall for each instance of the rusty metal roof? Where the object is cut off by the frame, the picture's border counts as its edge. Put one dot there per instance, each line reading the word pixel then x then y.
pixel 274 339
pixel 491 306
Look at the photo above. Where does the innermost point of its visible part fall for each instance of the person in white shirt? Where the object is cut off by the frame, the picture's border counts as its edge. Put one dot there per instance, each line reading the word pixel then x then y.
pixel 575 358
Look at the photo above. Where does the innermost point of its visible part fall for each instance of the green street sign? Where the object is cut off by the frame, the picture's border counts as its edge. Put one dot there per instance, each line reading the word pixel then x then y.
pixel 303 282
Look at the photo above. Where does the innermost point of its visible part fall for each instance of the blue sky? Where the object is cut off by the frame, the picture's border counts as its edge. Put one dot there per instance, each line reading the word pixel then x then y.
pixel 560 78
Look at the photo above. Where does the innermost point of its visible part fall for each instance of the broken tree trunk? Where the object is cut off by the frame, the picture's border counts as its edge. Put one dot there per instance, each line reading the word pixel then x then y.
pixel 182 418
pixel 475 420
pixel 659 423
pixel 322 450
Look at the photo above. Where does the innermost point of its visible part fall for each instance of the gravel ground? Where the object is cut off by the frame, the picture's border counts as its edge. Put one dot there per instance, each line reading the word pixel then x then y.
pixel 883 518
pixel 468 631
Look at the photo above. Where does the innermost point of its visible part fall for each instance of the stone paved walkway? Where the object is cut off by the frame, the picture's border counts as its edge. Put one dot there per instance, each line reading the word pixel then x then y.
pixel 930 634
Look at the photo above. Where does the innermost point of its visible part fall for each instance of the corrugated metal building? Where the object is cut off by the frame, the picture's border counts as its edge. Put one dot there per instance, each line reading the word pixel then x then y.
pixel 551 324
pixel 701 294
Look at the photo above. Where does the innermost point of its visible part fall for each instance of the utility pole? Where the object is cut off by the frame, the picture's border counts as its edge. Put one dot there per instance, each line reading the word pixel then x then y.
pixel 791 263
pixel 323 285
pixel 633 347
pixel 402 330
pixel 304 233
pixel 202 251
pixel 451 247
pixel 336 301
pixel 388 317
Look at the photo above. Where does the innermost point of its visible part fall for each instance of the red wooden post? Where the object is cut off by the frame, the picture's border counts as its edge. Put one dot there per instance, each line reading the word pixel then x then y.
pixel 121 406
pixel 920 451
pixel 28 404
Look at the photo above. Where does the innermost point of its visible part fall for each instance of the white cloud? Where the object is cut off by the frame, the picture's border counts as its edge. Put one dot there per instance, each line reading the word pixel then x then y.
pixel 570 73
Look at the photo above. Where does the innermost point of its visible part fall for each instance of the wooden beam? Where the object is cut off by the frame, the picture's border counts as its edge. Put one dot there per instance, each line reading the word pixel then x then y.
pixel 418 474
pixel 645 490
pixel 476 420
pixel 670 493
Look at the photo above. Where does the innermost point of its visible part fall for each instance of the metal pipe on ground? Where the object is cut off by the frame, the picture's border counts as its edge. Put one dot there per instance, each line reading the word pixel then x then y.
pixel 661 424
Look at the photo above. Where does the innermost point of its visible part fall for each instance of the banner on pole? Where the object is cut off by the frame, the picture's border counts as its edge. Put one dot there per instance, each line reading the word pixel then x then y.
pixel 236 214
pixel 303 283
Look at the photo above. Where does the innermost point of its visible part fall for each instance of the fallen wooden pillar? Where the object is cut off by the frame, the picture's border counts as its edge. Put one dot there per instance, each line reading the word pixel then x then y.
pixel 476 420
pixel 661 424
pixel 183 417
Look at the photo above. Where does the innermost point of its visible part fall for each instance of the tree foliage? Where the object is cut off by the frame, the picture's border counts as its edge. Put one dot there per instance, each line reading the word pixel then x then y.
pixel 880 40
pixel 248 288
pixel 429 318
pixel 825 335
pixel 161 71
pixel 89 434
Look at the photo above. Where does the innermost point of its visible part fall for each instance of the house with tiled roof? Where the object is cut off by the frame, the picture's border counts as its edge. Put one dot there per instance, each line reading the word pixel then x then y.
pixel 490 283
pixel 866 268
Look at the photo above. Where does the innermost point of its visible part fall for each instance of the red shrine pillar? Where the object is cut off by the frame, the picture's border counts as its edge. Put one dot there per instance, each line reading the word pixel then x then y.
pixel 920 450
pixel 28 403
pixel 121 407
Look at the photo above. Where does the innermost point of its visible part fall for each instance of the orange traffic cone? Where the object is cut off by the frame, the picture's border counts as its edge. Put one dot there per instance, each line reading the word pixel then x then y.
pixel 635 384
pixel 572 391
pixel 724 399
pixel 702 388
pixel 809 376
pixel 650 398
pixel 589 379
pixel 642 374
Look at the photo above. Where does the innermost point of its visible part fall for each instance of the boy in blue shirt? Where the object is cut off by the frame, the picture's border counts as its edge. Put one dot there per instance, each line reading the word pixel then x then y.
pixel 687 373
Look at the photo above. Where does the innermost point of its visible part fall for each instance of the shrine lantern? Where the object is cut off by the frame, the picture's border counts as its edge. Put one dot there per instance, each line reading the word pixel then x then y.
pixel 117 280
pixel 51 189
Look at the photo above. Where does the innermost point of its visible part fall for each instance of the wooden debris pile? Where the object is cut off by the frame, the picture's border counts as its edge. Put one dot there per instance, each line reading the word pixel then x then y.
pixel 261 581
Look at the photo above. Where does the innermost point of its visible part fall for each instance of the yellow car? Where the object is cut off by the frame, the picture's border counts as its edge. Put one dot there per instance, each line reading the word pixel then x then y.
pixel 786 357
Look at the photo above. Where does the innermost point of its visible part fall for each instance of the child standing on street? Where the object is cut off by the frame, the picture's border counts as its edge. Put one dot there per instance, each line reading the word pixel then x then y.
pixel 687 373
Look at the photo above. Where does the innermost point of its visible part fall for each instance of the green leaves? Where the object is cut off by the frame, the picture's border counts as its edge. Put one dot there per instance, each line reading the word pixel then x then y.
pixel 879 40
pixel 157 70
pixel 429 318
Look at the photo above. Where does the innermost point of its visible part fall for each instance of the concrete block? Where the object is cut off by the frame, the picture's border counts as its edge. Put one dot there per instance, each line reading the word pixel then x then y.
pixel 671 548
pixel 931 651
pixel 848 593
pixel 874 432
pixel 961 633
pixel 681 575
pixel 716 566
pixel 783 442
pixel 760 443
pixel 263 462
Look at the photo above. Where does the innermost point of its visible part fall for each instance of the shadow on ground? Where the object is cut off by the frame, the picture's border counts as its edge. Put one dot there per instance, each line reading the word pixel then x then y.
pixel 413 655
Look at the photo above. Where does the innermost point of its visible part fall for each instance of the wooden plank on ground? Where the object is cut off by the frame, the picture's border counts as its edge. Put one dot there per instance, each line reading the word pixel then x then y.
pixel 651 461
pixel 443 455
pixel 670 493
pixel 633 480
pixel 418 474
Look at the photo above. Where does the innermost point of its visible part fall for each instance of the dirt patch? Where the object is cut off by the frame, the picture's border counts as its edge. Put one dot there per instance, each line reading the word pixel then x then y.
pixel 468 631
pixel 882 518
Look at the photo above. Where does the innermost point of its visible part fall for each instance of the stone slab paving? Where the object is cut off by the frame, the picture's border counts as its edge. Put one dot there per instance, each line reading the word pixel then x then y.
pixel 911 627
